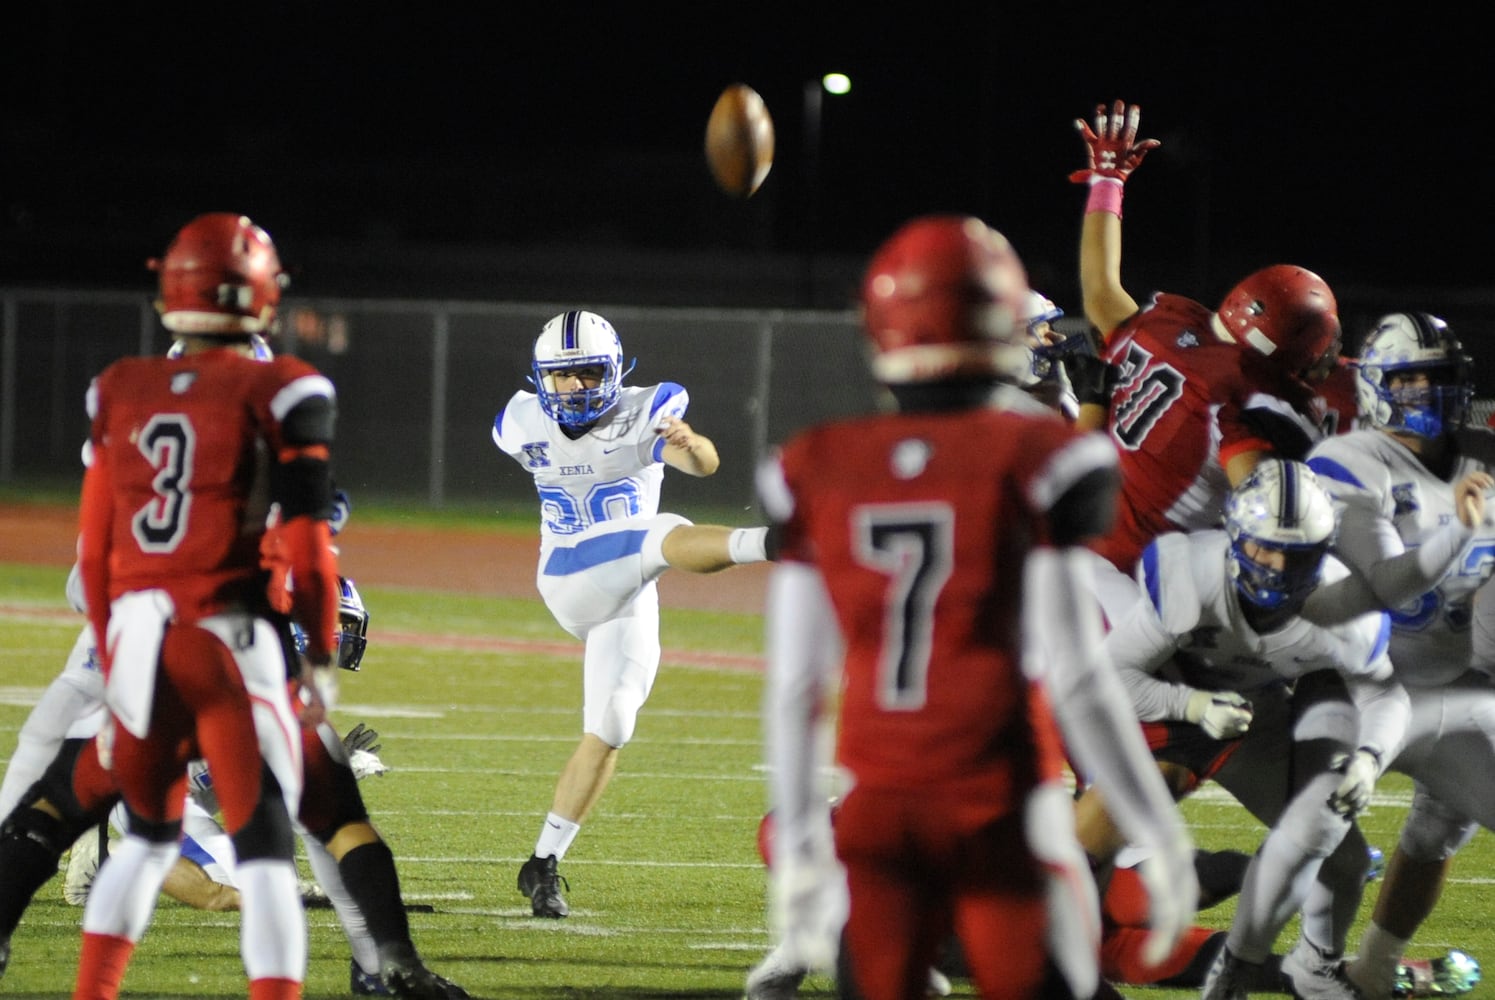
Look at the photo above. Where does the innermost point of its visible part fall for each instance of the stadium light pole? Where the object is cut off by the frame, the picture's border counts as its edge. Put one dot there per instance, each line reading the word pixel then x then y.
pixel 815 90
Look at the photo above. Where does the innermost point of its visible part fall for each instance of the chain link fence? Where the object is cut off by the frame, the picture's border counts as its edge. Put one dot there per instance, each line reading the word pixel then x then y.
pixel 420 382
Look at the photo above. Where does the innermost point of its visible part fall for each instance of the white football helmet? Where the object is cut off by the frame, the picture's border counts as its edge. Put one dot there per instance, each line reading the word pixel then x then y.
pixel 259 348
pixel 578 339
pixel 1404 344
pixel 1038 308
pixel 352 627
pixel 1281 508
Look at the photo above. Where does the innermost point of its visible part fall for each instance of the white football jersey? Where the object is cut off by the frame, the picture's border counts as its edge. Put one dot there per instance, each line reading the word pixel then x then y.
pixel 1393 504
pixel 612 471
pixel 1191 630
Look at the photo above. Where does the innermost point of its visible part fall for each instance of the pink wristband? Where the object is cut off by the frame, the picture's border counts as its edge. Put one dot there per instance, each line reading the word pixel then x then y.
pixel 1105 196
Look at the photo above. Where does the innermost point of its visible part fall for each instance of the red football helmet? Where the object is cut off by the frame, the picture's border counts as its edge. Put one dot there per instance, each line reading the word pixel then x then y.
pixel 1286 313
pixel 941 301
pixel 221 275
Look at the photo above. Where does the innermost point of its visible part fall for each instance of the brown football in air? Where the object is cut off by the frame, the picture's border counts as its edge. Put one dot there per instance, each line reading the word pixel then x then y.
pixel 739 141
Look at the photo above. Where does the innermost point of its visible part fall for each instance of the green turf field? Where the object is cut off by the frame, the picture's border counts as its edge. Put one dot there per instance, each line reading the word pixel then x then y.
pixel 667 894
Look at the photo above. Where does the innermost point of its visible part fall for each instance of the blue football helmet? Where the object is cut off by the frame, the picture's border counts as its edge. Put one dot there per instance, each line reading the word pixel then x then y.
pixel 572 340
pixel 1405 345
pixel 352 627
pixel 1280 509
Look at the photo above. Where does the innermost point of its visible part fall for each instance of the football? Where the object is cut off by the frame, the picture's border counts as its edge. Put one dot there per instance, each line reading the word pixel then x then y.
pixel 739 141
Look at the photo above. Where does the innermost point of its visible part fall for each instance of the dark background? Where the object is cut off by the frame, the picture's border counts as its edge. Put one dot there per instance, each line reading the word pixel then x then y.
pixel 509 152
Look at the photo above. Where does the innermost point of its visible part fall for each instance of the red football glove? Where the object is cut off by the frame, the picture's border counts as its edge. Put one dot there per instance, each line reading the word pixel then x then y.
pixel 1112 145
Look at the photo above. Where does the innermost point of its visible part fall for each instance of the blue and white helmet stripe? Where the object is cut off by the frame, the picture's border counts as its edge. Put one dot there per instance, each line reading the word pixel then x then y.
pixel 1280 508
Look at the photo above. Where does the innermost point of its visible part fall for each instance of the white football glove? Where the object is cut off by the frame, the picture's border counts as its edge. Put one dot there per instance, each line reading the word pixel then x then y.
pixel 1360 770
pixel 363 751
pixel 1173 898
pixel 810 903
pixel 1223 715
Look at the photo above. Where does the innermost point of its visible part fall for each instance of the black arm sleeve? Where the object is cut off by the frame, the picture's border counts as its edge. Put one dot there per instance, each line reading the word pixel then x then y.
pixel 1288 439
pixel 1086 509
pixel 303 485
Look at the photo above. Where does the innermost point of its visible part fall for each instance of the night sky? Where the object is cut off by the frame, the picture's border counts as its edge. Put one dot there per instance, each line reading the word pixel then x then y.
pixel 1361 149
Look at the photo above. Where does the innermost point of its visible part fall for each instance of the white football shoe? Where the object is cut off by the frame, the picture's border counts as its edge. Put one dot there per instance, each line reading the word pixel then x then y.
pixel 82 866
pixel 773 979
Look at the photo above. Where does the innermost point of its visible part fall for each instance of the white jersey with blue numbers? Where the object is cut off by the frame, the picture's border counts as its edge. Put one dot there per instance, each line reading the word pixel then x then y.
pixel 611 472
pixel 1393 504
pixel 1190 632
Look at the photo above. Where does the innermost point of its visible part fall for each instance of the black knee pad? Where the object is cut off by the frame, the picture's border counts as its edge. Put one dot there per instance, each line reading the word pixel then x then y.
pixel 268 834
pixel 47 832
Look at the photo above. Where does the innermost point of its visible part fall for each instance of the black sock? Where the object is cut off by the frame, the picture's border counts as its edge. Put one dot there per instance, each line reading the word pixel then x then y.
pixel 369 873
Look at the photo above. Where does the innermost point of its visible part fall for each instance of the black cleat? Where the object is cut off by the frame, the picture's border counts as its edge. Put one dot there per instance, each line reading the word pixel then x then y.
pixel 411 979
pixel 539 880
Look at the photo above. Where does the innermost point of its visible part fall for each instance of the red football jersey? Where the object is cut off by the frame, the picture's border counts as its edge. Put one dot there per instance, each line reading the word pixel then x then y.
pixel 187 447
pixel 1186 402
pixel 920 524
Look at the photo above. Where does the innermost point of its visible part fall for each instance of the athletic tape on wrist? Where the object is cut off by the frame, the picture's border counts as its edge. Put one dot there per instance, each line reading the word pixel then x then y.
pixel 1105 196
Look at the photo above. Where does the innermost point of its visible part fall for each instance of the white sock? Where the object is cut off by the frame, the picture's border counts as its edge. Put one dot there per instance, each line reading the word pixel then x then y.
pixel 746 545
pixel 556 836
pixel 1374 969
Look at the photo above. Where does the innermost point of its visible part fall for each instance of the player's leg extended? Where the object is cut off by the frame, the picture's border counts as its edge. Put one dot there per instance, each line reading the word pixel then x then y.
pixel 590 580
pixel 710 548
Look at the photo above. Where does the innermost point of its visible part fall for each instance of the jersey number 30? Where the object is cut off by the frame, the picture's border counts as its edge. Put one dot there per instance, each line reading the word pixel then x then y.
pixel 912 545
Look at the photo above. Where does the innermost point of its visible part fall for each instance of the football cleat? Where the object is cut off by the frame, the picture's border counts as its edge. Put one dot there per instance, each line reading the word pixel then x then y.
pixel 1377 864
pixel 405 975
pixel 1226 979
pixel 1453 975
pixel 1313 975
pixel 83 865
pixel 365 984
pixel 416 982
pixel 773 979
pixel 313 896
pixel 539 880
